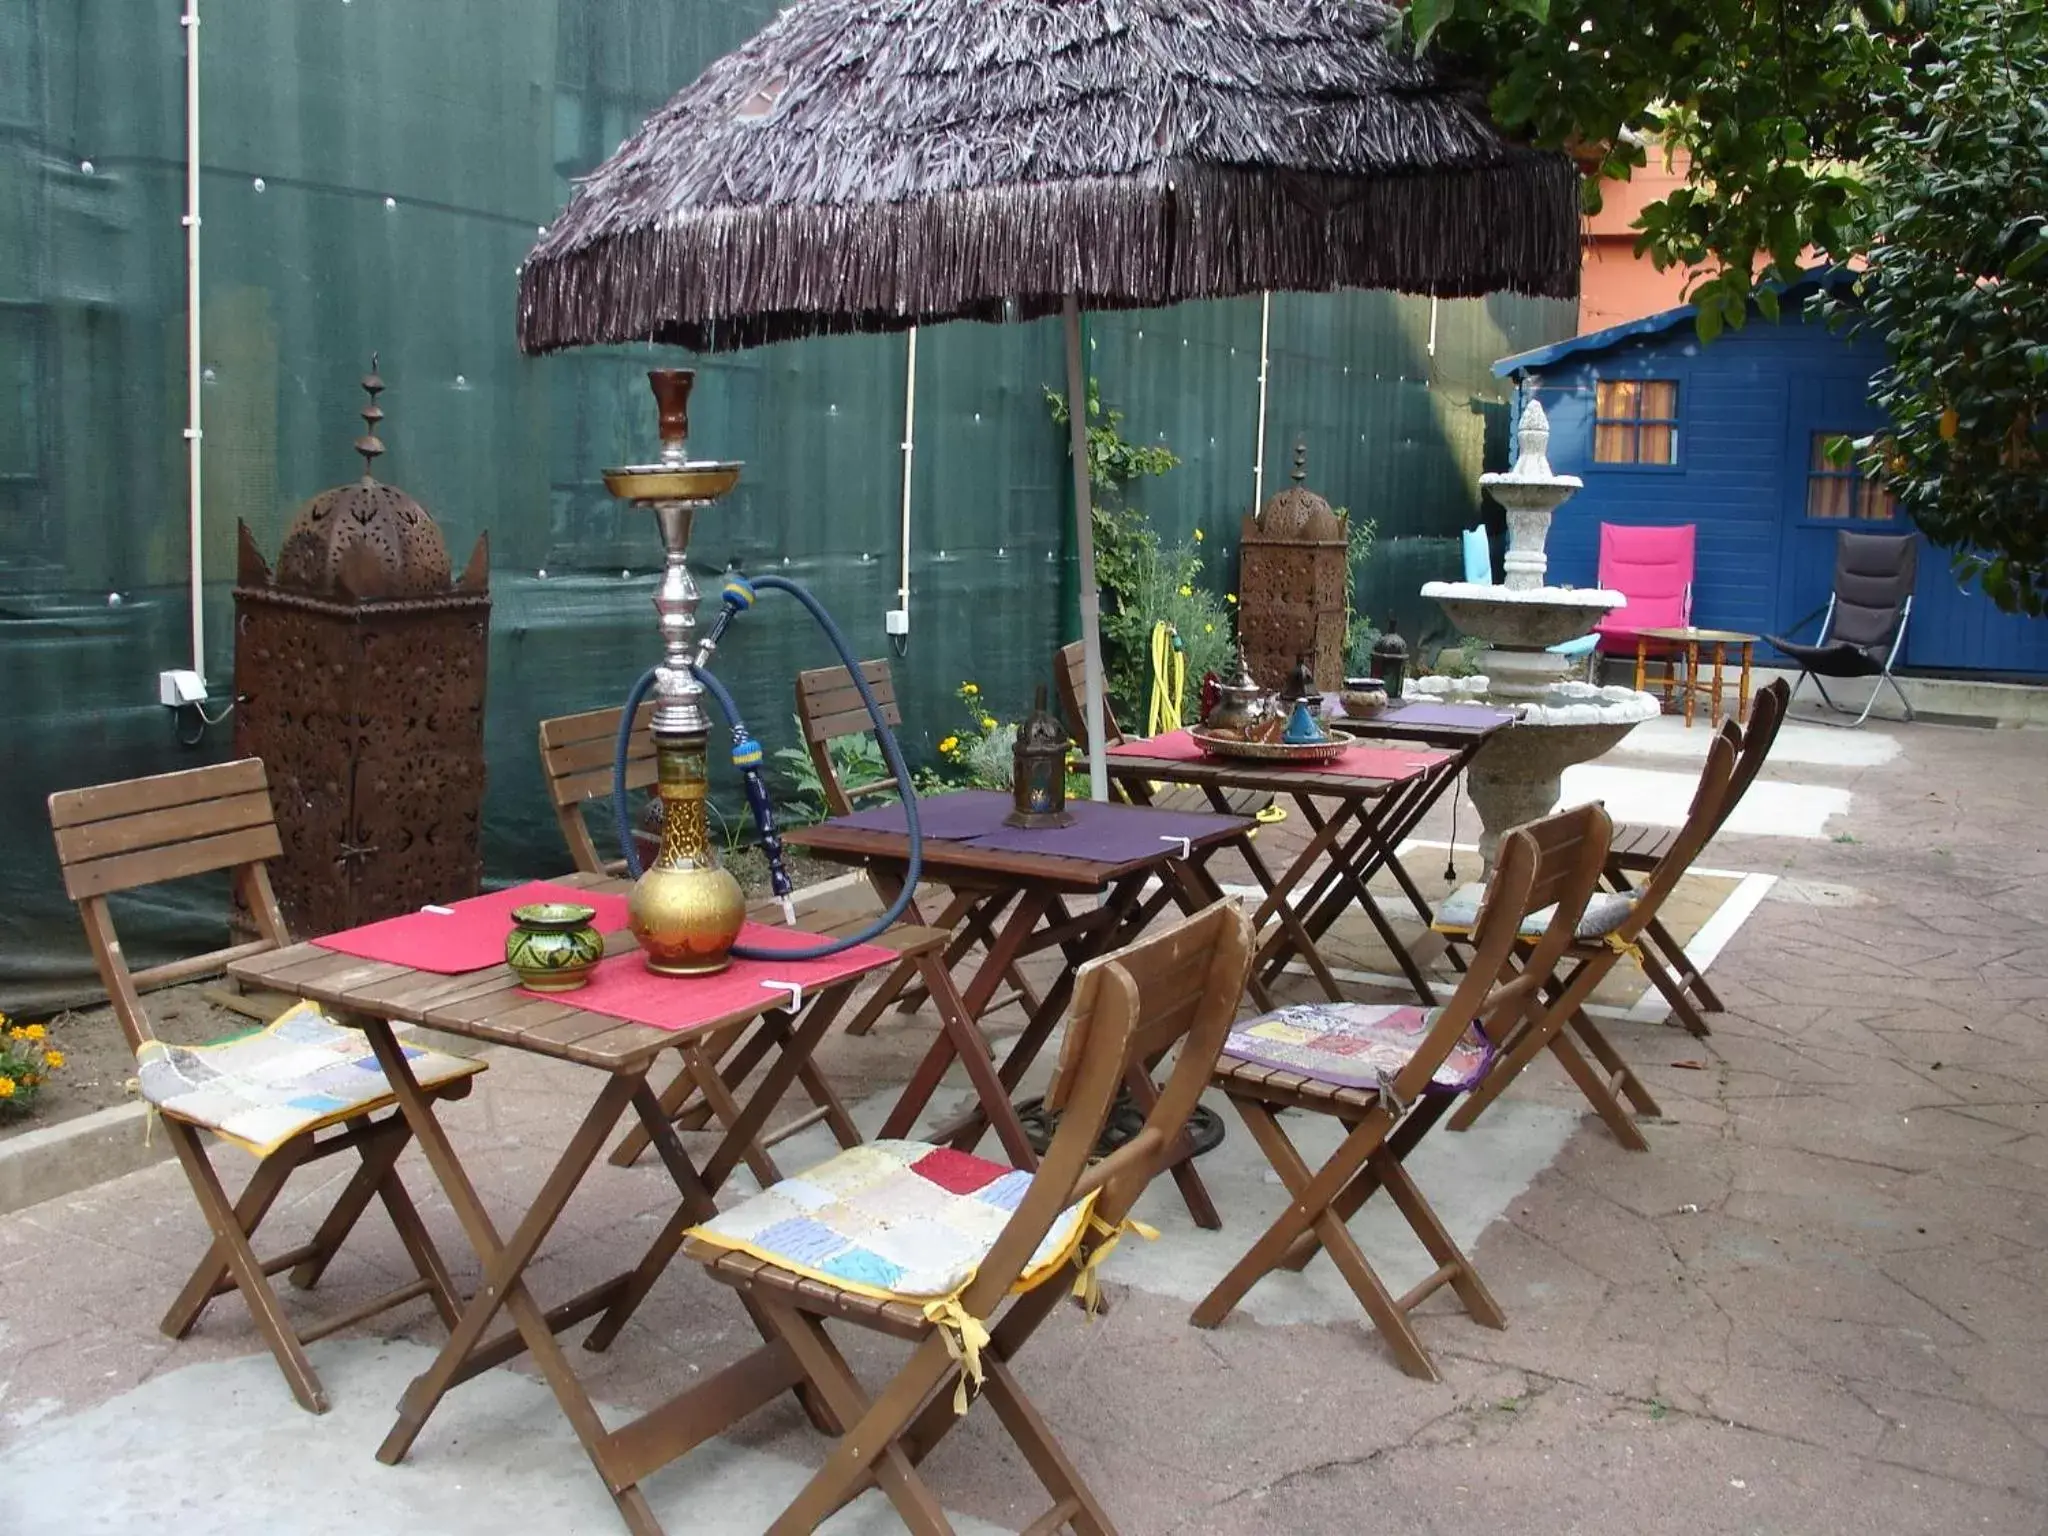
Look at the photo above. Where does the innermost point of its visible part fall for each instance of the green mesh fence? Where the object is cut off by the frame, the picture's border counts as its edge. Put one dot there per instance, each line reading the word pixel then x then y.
pixel 373 174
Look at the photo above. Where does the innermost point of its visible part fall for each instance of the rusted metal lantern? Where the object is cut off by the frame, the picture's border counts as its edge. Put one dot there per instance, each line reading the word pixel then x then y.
pixel 1038 771
pixel 1293 569
pixel 359 680
pixel 1389 661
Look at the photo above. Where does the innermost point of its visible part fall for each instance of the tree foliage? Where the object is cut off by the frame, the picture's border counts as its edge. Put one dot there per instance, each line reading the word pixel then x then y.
pixel 1957 285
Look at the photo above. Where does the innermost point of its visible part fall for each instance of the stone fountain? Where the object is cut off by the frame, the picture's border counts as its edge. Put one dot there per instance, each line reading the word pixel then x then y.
pixel 1517 776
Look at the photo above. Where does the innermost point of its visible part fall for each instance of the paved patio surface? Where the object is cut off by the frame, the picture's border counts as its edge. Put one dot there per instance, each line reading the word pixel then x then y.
pixel 1815 1305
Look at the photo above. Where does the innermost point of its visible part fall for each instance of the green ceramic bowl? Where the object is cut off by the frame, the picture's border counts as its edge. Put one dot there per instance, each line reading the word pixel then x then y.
pixel 553 945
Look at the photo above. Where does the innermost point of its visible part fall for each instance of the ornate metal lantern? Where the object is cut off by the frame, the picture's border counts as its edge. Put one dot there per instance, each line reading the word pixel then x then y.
pixel 1390 660
pixel 359 680
pixel 1038 769
pixel 1292 573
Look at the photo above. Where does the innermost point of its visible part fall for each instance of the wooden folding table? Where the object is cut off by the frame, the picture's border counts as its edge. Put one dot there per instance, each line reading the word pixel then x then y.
pixel 488 1005
pixel 1032 892
pixel 1359 809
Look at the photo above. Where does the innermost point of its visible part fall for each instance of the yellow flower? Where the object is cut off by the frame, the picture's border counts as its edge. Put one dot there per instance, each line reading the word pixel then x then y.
pixel 1230 598
pixel 969 689
pixel 6 1087
pixel 53 1059
pixel 1187 591
pixel 1208 629
pixel 949 745
pixel 1198 535
pixel 17 1033
pixel 34 1032
pixel 988 722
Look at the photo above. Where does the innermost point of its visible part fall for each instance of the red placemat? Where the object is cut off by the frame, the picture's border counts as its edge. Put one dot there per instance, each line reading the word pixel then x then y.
pixel 468 936
pixel 1390 763
pixel 624 988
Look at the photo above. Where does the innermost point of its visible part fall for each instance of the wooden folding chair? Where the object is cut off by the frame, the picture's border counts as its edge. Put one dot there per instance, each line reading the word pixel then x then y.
pixel 576 754
pixel 1612 927
pixel 119 837
pixel 829 708
pixel 1178 987
pixel 1637 849
pixel 1069 667
pixel 1390 1080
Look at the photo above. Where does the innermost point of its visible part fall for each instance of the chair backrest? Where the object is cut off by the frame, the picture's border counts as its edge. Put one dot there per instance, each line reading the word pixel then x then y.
pixel 1766 714
pixel 829 708
pixel 1652 567
pixel 1874 575
pixel 1478 556
pixel 1178 986
pixel 117 837
pixel 576 764
pixel 1703 818
pixel 1555 862
pixel 1070 671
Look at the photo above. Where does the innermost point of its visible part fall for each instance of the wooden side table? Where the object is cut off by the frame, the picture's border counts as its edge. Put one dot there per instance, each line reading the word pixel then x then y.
pixel 1673 645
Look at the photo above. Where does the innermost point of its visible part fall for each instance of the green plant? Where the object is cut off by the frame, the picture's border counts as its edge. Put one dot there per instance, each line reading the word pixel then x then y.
pixel 856 760
pixel 1144 584
pixel 26 1061
pixel 978 755
pixel 1359 634
pixel 1161 586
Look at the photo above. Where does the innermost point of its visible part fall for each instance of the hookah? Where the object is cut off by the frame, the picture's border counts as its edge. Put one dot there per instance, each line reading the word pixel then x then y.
pixel 685 910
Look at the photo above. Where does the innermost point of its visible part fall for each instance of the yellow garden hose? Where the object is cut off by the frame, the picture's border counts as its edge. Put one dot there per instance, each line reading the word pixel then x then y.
pixel 1169 680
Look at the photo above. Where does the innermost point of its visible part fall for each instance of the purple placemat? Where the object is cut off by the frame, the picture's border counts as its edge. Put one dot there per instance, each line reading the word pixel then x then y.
pixel 1457 716
pixel 1113 834
pixel 953 817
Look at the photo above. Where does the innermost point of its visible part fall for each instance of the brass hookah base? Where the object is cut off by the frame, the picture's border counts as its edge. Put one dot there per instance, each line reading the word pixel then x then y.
pixel 685 911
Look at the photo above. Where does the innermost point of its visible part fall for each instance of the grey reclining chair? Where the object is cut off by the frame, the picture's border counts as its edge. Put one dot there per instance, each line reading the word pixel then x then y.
pixel 1865 625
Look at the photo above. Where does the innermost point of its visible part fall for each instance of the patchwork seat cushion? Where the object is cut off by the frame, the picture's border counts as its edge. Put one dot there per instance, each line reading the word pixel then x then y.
pixel 901 1220
pixel 301 1073
pixel 1355 1045
pixel 1604 913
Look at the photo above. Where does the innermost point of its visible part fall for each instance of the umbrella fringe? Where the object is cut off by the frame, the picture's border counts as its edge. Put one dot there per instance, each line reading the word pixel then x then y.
pixel 727 277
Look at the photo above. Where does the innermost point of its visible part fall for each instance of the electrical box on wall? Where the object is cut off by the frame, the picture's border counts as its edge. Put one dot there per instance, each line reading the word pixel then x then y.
pixel 896 621
pixel 175 690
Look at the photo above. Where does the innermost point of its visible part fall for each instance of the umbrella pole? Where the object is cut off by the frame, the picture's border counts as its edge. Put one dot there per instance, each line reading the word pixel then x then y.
pixel 1084 538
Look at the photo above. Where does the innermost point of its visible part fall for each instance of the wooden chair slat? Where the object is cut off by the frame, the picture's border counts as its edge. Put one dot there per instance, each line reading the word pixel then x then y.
pixel 847 722
pixel 151 866
pixel 596 784
pixel 591 725
pixel 153 828
pixel 582 756
pixel 71 807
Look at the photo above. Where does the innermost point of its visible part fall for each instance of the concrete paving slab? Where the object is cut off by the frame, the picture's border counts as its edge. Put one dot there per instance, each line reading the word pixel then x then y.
pixel 499 1457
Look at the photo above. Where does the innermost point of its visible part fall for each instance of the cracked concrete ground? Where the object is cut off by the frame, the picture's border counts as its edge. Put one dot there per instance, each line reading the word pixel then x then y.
pixel 1815 1305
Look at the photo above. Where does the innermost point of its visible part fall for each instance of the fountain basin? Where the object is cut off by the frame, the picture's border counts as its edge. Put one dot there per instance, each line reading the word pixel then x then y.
pixel 1523 618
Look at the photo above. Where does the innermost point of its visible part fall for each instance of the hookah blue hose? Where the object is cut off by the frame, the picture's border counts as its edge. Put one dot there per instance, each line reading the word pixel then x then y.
pixel 746 756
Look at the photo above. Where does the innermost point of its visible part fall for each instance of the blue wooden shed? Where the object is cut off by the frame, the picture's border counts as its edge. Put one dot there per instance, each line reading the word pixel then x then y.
pixel 1728 436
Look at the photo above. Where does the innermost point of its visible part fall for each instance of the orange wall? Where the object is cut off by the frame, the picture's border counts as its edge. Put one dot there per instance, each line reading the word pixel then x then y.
pixel 1616 284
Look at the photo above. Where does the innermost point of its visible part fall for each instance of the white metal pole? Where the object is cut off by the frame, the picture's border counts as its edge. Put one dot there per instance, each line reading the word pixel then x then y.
pixel 194 436
pixel 909 453
pixel 1084 535
pixel 1265 368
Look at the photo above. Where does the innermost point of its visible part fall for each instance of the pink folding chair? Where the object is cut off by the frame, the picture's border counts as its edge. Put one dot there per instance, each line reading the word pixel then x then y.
pixel 1652 567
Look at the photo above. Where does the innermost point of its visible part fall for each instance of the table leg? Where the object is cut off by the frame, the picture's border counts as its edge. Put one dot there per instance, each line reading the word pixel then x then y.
pixel 1642 660
pixel 1717 684
pixel 504 1261
pixel 959 1035
pixel 1742 695
pixel 1692 678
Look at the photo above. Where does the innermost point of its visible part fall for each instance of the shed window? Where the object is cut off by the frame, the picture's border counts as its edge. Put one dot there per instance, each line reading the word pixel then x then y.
pixel 1635 421
pixel 1836 490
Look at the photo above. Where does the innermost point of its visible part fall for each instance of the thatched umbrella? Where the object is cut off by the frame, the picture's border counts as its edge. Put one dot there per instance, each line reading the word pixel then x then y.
pixel 872 165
